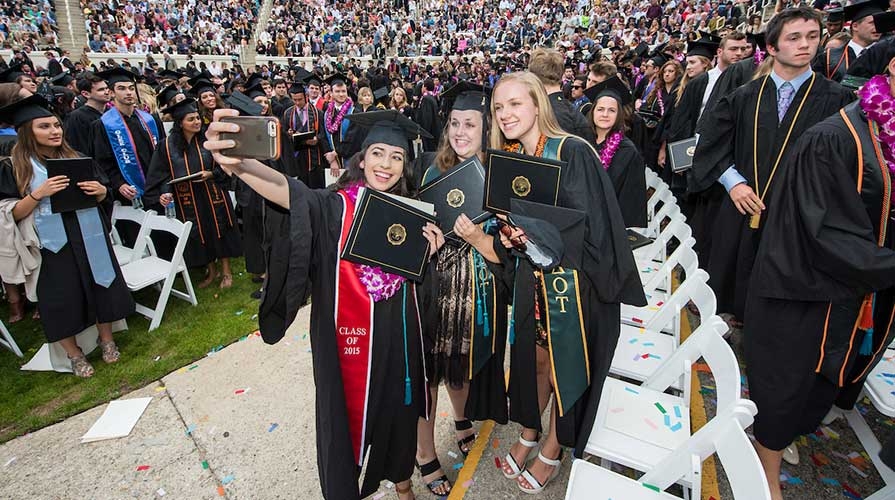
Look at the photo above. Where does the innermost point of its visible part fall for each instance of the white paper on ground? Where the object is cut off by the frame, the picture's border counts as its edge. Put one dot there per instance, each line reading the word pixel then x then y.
pixel 118 420
pixel 52 357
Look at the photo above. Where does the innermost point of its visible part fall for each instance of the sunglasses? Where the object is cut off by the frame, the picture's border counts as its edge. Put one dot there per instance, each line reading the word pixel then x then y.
pixel 577 87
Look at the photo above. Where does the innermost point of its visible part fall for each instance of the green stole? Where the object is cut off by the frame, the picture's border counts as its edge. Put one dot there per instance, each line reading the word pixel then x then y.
pixel 481 343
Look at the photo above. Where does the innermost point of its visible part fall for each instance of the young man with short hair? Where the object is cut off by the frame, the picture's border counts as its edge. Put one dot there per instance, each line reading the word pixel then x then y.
pixel 79 124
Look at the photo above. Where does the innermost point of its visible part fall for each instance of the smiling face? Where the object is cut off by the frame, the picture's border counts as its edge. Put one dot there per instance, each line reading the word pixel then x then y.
pixel 191 123
pixel 605 113
pixel 465 133
pixel 515 111
pixel 383 166
pixel 209 100
pixel 47 131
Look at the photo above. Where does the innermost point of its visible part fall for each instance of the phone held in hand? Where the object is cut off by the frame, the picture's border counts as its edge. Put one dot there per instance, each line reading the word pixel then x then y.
pixel 258 137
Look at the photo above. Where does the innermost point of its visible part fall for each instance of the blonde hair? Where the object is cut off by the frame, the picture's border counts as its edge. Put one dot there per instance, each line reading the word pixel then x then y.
pixel 764 69
pixel 686 79
pixel 547 65
pixel 392 104
pixel 546 121
pixel 363 91
pixel 148 97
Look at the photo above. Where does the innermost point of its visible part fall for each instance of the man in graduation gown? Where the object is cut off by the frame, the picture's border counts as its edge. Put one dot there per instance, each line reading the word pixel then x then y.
pixel 834 62
pixel 334 133
pixel 303 160
pixel 426 116
pixel 547 65
pixel 787 102
pixel 821 303
pixel 79 124
pixel 124 138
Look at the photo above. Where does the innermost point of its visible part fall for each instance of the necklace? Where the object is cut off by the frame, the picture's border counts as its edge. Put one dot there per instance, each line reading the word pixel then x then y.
pixel 755 220
pixel 876 100
pixel 516 146
pixel 610 147
pixel 334 122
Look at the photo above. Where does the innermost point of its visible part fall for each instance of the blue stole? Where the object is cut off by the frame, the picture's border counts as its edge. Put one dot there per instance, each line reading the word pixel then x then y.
pixel 51 231
pixel 123 145
pixel 7 131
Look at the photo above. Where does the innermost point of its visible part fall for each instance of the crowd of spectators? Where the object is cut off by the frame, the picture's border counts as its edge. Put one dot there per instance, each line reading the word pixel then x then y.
pixel 180 26
pixel 28 24
pixel 435 27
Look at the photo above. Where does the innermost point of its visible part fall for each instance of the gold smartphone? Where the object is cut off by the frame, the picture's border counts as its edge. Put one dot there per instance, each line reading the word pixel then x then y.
pixel 258 137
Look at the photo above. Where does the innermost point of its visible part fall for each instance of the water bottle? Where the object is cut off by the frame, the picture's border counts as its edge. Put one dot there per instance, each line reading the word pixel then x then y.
pixel 137 202
pixel 169 210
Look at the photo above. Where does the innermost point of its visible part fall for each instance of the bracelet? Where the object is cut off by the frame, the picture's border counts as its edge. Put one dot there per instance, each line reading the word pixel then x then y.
pixel 33 198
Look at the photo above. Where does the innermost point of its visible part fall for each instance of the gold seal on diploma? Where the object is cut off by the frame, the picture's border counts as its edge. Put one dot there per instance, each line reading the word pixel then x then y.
pixel 396 234
pixel 455 198
pixel 691 151
pixel 521 186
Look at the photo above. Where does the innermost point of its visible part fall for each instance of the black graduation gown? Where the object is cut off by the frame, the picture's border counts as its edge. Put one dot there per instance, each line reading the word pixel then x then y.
pixel 426 117
pixel 629 180
pixel 732 78
pixel 68 298
pixel 102 150
pixel 79 129
pixel 833 62
pixel 306 162
pixel 570 119
pixel 686 112
pixel 607 277
pixel 734 243
pixel 342 144
pixel 207 205
pixel 304 265
pixel 821 253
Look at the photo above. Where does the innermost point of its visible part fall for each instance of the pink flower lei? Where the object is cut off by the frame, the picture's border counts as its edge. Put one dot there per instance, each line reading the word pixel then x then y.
pixel 758 56
pixel 610 148
pixel 877 102
pixel 334 122
pixel 379 284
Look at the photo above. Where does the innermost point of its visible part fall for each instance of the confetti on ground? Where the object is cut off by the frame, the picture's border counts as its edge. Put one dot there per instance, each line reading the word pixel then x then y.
pixel 858 471
pixel 142 467
pixel 242 391
pixel 831 481
pixel 239 313
pixel 677 411
pixel 850 492
pixel 632 391
pixel 659 406
pixel 468 483
pixel 632 341
pixel 190 429
pixel 648 344
pixel 458 465
pixel 443 414
pixel 452 454
pixel 228 479
pixel 221 491
pixel 389 485
pixel 495 443
pixel 273 427
pixel 497 462
pixel 637 320
pixel 254 317
pixel 157 358
pixel 205 464
pixel 160 492
pixel 159 389
pixel 194 367
pixel 13 459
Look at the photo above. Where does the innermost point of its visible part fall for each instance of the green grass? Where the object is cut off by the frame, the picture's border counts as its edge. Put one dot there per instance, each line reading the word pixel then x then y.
pixel 32 400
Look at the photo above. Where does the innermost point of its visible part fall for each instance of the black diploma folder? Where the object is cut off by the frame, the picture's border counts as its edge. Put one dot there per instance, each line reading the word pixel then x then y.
pixel 299 138
pixel 71 198
pixel 680 154
pixel 186 178
pixel 458 191
pixel 523 177
pixel 388 232
pixel 637 240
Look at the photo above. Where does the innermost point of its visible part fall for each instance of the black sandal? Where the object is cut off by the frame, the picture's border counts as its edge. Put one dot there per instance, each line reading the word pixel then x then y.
pixel 464 425
pixel 431 468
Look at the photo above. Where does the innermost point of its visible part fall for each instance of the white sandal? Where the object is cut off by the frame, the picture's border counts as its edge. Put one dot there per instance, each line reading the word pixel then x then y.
pixel 536 486
pixel 509 460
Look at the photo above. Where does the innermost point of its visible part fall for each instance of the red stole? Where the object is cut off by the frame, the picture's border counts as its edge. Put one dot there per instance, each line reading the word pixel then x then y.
pixel 354 338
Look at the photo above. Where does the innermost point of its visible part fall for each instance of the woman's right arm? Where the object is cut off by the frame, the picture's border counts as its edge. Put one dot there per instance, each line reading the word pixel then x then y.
pixel 26 205
pixel 266 181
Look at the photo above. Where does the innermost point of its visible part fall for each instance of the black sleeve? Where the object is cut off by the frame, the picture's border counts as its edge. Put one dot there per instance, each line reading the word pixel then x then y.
pixel 629 181
pixel 8 187
pixel 158 175
pixel 714 151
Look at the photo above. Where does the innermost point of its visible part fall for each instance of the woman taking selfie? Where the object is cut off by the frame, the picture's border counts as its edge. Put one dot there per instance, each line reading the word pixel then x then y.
pixel 79 282
pixel 618 155
pixel 470 310
pixel 600 270
pixel 359 418
pixel 202 201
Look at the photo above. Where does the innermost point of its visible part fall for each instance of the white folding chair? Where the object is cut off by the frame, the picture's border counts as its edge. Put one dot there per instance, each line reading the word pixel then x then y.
pixel 655 253
pixel 639 425
pixel 650 338
pixel 8 342
pixel 667 211
pixel 151 269
pixel 724 435
pixel 688 261
pixel 658 278
pixel 125 254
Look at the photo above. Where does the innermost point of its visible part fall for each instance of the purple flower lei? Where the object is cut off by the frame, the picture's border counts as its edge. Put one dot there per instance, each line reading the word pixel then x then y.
pixel 877 102
pixel 379 284
pixel 333 122
pixel 610 148
pixel 758 57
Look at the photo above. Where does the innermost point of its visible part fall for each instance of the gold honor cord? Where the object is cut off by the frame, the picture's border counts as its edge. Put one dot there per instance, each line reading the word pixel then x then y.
pixel 755 220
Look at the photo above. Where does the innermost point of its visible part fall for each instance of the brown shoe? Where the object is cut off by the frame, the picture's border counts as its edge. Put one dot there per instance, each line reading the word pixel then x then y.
pixel 81 367
pixel 110 351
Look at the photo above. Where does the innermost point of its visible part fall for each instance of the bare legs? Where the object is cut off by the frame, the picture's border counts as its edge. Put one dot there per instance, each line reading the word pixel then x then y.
pixel 227 275
pixel 770 461
pixel 425 447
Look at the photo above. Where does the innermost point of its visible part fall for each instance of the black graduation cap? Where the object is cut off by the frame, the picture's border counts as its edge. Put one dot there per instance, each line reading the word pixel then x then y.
pixel 613 87
pixel 253 86
pixel 641 49
pixel 170 75
pixel 336 79
pixel 388 127
pixel 676 34
pixel 200 86
pixel 467 96
pixel 10 74
pixel 117 75
pixel 380 94
pixel 166 94
pixel 884 22
pixel 703 47
pixel 314 79
pixel 709 36
pixel 24 110
pixel 297 88
pixel 300 75
pixel 860 10
pixel 757 40
pixel 835 15
pixel 182 108
pixel 62 79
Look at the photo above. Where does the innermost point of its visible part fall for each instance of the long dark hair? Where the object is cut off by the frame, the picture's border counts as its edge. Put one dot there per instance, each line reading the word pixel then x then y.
pixel 353 174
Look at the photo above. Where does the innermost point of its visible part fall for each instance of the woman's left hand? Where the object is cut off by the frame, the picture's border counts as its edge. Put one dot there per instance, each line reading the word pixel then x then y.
pixel 435 237
pixel 207 175
pixel 93 188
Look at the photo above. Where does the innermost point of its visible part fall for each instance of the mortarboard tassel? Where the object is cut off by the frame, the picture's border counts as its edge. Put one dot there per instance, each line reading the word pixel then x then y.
pixel 512 333
pixel 866 324
pixel 407 396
